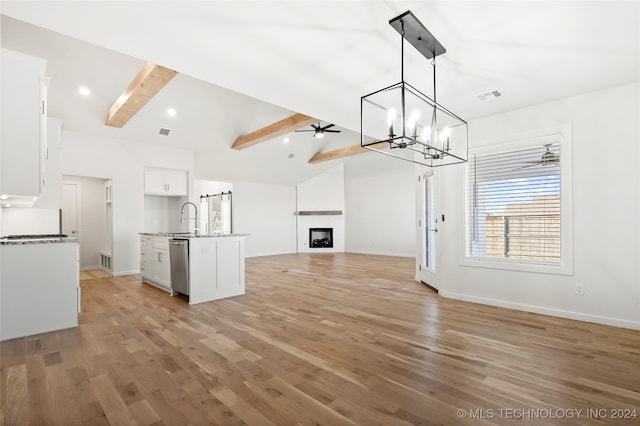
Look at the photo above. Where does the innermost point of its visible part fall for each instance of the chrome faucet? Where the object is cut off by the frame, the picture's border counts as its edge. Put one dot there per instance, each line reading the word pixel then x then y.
pixel 182 218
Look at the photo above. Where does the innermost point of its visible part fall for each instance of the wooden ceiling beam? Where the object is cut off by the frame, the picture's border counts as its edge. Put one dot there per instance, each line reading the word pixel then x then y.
pixel 342 152
pixel 149 81
pixel 282 127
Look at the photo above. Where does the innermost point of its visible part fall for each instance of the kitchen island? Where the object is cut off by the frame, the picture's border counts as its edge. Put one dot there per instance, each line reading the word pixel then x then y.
pixel 215 264
pixel 39 284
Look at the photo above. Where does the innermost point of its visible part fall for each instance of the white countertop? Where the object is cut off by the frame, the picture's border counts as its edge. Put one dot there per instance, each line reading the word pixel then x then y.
pixel 190 235
pixel 8 242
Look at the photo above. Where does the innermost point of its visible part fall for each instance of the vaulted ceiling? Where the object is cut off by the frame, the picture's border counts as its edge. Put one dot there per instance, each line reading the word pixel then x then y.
pixel 243 65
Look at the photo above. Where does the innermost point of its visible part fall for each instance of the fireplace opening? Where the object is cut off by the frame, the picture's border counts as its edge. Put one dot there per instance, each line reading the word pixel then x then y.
pixel 321 237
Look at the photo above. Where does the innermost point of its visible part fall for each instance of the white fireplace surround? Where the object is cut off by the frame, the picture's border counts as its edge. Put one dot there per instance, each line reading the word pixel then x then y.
pixel 320 204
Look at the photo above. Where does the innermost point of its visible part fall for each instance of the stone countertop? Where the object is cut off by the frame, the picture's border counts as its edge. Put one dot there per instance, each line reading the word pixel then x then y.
pixel 190 235
pixel 8 242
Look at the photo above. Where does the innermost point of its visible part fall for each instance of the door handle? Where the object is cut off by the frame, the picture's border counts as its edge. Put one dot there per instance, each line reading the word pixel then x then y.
pixel 434 230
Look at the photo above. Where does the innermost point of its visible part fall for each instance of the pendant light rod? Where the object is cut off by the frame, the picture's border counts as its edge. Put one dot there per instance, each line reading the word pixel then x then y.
pixel 433 65
pixel 402 114
pixel 402 52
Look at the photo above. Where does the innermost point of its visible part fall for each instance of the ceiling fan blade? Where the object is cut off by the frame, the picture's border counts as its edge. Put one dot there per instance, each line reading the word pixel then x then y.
pixel 333 131
pixel 328 126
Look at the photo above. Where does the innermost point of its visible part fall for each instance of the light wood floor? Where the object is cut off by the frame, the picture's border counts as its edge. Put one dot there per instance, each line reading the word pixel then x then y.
pixel 93 273
pixel 318 339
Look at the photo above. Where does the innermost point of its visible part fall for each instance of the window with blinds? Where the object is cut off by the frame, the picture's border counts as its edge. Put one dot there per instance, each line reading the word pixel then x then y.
pixel 513 203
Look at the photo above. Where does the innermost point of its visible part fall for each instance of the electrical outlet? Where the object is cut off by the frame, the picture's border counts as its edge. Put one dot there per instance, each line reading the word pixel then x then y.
pixel 580 289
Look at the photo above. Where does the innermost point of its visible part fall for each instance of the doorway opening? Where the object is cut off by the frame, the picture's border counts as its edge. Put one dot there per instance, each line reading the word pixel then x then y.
pixel 87 215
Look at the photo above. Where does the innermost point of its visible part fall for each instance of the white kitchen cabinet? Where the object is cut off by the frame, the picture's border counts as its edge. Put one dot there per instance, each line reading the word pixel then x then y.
pixel 51 197
pixel 162 267
pixel 23 127
pixel 165 182
pixel 39 284
pixel 154 261
pixel 145 256
pixel 216 268
pixel 216 265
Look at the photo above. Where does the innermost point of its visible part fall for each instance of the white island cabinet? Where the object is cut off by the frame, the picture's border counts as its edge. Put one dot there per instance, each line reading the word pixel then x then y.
pixel 216 268
pixel 39 287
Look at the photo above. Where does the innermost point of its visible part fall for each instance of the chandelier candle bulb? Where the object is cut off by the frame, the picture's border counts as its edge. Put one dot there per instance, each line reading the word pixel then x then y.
pixel 391 115
pixel 444 137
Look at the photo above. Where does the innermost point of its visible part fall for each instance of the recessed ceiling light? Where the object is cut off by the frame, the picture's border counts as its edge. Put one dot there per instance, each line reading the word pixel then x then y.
pixel 171 112
pixel 84 91
pixel 4 197
pixel 286 140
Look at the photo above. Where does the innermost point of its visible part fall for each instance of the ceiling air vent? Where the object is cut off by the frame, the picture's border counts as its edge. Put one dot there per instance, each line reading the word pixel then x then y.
pixel 164 132
pixel 489 95
pixel 291 155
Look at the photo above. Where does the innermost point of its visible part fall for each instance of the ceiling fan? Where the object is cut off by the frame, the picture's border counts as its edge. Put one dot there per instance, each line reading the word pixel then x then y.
pixel 548 158
pixel 319 131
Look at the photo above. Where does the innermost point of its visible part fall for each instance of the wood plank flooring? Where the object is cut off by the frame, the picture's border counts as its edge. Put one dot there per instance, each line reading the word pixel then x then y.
pixel 331 339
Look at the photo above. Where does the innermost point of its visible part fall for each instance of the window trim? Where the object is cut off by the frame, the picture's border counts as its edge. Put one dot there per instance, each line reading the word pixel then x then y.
pixel 566 203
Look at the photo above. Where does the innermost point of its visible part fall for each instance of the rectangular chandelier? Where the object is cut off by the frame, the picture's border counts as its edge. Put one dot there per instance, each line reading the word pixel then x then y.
pixel 403 122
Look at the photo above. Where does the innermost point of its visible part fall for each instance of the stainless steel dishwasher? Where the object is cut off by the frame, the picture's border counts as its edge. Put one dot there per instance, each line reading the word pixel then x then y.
pixel 179 260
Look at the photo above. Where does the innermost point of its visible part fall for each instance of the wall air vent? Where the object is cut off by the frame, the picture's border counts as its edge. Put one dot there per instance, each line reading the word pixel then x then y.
pixel 489 95
pixel 164 132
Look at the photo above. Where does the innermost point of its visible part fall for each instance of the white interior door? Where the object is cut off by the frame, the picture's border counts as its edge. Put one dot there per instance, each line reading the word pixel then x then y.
pixel 70 209
pixel 428 225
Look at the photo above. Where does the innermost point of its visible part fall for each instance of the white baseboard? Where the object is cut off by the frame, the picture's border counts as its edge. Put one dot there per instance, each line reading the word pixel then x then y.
pixel 90 268
pixel 579 316
pixel 121 273
pixel 271 254
pixel 381 253
pixel 93 268
pixel 378 253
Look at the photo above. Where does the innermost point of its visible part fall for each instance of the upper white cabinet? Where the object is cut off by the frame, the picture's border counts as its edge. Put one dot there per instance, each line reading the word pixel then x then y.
pixel 51 197
pixel 24 128
pixel 166 182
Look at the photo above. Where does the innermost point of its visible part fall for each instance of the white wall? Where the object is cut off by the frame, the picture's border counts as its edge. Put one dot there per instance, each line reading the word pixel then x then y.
pixel 380 205
pixel 123 162
pixel 93 220
pixel 606 206
pixel 210 187
pixel 266 212
pixel 321 193
pixel 162 214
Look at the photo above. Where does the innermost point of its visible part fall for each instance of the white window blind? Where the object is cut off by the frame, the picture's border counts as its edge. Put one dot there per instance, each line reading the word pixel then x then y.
pixel 513 204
